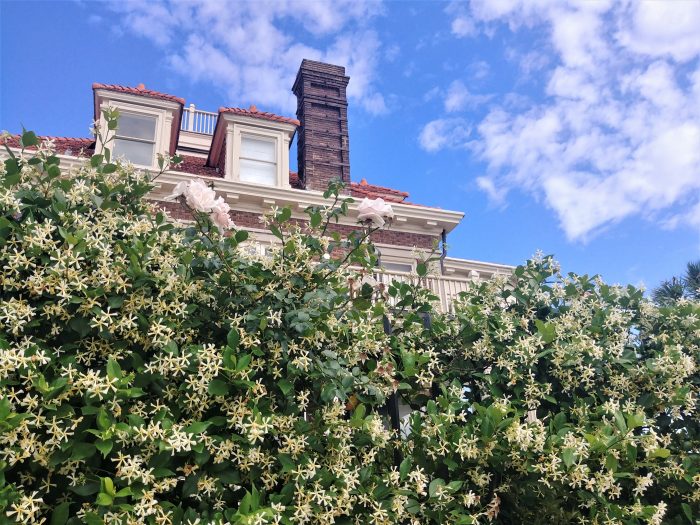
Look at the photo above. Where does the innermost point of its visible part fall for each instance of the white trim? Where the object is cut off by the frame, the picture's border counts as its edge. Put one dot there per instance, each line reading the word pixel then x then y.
pixel 163 118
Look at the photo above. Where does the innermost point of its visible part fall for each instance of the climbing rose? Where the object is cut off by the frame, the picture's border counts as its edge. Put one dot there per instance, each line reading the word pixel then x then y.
pixel 374 210
pixel 202 198
pixel 219 215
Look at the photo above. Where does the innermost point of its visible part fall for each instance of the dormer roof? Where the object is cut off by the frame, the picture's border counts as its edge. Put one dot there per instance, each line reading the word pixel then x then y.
pixel 255 113
pixel 138 90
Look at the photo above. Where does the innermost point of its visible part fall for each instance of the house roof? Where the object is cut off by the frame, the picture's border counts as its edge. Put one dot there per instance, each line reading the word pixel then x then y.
pixel 255 113
pixel 139 90
pixel 79 147
pixel 371 191
pixel 84 147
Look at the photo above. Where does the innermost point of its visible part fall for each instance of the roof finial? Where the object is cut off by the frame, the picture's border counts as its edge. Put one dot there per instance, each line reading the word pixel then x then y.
pixel 253 109
pixel 363 182
pixel 141 87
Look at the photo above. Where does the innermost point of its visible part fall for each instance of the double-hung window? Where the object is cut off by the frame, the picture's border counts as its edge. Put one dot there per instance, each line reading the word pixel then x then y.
pixel 136 138
pixel 258 160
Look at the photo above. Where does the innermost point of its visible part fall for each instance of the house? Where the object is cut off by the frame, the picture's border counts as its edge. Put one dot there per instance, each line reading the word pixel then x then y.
pixel 245 152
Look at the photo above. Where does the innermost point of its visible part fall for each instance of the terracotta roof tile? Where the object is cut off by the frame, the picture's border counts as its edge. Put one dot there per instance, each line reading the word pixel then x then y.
pixel 82 147
pixel 255 113
pixel 371 191
pixel 139 90
pixel 196 166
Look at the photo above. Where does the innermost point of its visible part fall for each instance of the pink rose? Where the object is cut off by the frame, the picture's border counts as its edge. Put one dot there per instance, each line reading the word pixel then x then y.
pixel 179 189
pixel 219 215
pixel 374 210
pixel 200 196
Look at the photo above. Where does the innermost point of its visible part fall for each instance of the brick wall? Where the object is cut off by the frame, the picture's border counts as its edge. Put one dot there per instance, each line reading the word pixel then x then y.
pixel 323 146
pixel 245 219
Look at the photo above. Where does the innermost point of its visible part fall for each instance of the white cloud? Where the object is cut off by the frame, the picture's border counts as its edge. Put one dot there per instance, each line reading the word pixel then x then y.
pixel 444 133
pixel 663 29
pixel 463 26
pixel 459 98
pixel 616 132
pixel 252 50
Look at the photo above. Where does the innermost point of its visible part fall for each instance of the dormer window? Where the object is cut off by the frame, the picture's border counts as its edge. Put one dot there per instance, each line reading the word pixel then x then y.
pixel 258 160
pixel 136 138
pixel 149 122
pixel 252 146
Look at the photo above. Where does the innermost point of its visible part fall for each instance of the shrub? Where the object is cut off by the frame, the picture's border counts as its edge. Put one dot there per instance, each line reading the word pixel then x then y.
pixel 154 372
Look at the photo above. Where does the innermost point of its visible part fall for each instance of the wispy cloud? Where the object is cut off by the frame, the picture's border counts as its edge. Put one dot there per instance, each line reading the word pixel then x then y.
pixel 616 131
pixel 444 133
pixel 459 98
pixel 251 50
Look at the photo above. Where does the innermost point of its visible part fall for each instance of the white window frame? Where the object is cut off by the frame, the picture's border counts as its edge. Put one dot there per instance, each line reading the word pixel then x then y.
pixel 163 121
pixel 395 260
pixel 236 131
pixel 275 163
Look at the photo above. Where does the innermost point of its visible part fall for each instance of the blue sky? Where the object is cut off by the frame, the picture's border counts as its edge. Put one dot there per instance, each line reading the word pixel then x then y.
pixel 569 127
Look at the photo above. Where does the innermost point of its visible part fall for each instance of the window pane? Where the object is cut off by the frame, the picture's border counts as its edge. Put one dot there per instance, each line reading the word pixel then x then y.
pixel 258 172
pixel 397 267
pixel 137 126
pixel 137 152
pixel 258 149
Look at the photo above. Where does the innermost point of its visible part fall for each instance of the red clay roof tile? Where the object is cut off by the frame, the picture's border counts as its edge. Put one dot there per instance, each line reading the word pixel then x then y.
pixel 82 147
pixel 371 191
pixel 139 90
pixel 255 113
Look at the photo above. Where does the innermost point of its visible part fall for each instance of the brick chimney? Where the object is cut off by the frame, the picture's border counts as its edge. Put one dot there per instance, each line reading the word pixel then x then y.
pixel 322 108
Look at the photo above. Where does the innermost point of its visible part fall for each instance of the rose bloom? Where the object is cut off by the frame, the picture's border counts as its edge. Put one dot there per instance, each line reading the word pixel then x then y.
pixel 200 196
pixel 179 189
pixel 219 215
pixel 374 210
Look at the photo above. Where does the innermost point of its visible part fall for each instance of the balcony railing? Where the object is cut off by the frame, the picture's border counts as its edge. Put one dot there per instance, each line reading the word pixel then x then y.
pixel 445 288
pixel 198 121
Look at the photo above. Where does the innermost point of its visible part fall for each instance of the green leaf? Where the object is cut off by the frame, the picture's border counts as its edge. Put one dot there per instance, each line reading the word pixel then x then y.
pixel 198 427
pixel 83 451
pixel 275 231
pixel 546 330
pixel 29 138
pixel 60 513
pixel 108 486
pixel 433 487
pixel 105 447
pixel 86 490
pixel 243 362
pixel 688 512
pixel 404 468
pixel 4 408
pixel 103 420
pixel 96 160
pixel 217 387
pixel 114 371
pixel 567 456
pixel 285 214
pixel 285 386
pixel 421 269
pixel 620 422
pixel 104 499
pixel 232 339
pixel 635 421
pixel 660 453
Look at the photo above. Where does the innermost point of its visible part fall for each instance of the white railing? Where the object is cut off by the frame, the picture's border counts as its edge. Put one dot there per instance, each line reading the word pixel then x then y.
pixel 198 121
pixel 445 288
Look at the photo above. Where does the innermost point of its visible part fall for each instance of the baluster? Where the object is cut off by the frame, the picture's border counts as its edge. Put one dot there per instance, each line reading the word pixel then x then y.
pixel 190 120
